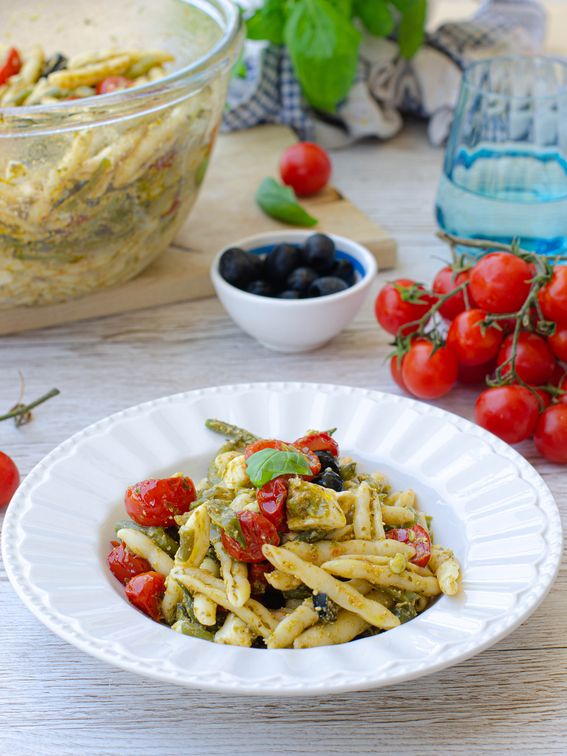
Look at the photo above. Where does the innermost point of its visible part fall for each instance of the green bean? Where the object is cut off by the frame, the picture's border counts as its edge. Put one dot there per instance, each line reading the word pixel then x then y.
pixel 158 536
pixel 231 431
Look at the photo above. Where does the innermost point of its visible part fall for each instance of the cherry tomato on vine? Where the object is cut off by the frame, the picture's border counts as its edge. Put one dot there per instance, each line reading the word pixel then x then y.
pixel 11 65
pixel 315 442
pixel 396 371
pixel 474 374
pixel 417 537
pixel 9 479
pixel 558 343
pixel 155 502
pixel 401 302
pixel 500 282
pixel 305 167
pixel 562 386
pixel 446 281
pixel 256 531
pixel 112 84
pixel 257 576
pixel 535 364
pixel 271 500
pixel 146 591
pixel 510 412
pixel 553 296
pixel 551 434
pixel 124 564
pixel 429 373
pixel 473 343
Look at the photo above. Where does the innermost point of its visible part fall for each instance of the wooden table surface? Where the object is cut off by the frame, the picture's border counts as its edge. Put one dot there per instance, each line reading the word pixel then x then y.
pixel 55 700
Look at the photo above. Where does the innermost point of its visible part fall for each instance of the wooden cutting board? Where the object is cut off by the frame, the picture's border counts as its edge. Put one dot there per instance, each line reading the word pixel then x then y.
pixel 225 212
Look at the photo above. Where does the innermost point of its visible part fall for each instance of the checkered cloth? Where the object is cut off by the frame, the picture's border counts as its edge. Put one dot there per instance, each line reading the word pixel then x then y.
pixel 386 85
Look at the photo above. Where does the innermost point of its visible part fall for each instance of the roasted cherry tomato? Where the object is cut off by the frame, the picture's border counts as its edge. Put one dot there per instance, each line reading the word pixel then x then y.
pixel 417 537
pixel 265 443
pixel 473 343
pixel 446 281
pixel 124 564
pixel 11 65
pixel 112 84
pixel 146 591
pixel 305 167
pixel 510 412
pixel 401 302
pixel 256 531
pixel 551 434
pixel 429 373
pixel 9 479
pixel 553 296
pixel 558 343
pixel 271 500
pixel 315 442
pixel 257 576
pixel 155 502
pixel 535 363
pixel 500 282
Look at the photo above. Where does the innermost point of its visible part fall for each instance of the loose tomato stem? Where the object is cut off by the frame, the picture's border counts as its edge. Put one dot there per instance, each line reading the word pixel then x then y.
pixel 20 409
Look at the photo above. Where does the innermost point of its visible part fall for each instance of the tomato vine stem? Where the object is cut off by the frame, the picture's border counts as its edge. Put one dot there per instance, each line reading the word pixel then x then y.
pixel 21 410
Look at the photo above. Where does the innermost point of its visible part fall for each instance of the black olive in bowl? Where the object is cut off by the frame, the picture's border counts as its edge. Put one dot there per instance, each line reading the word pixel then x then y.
pixel 260 288
pixel 288 294
pixel 240 268
pixel 322 287
pixel 344 269
pixel 301 279
pixel 320 253
pixel 281 261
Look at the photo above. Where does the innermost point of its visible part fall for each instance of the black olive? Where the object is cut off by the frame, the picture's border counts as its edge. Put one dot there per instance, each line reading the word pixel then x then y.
pixel 273 599
pixel 301 279
pixel 238 267
pixel 320 253
pixel 288 294
pixel 261 288
pixel 281 261
pixel 329 479
pixel 344 269
pixel 325 607
pixel 56 62
pixel 322 287
pixel 328 461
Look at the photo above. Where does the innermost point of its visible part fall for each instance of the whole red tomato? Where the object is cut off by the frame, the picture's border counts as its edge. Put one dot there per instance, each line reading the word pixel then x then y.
pixel 558 343
pixel 535 364
pixel 553 296
pixel 447 281
pixel 256 531
pixel 156 502
pixel 305 167
pixel 396 371
pixel 551 434
pixel 429 373
pixel 9 479
pixel 510 412
pixel 473 343
pixel 146 591
pixel 562 386
pixel 124 564
pixel 401 302
pixel 500 282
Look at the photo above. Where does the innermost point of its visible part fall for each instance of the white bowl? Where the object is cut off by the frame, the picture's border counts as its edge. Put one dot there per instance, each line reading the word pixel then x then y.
pixel 295 325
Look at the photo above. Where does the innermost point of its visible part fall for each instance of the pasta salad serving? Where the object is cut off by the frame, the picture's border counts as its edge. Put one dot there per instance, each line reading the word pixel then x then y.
pixel 282 545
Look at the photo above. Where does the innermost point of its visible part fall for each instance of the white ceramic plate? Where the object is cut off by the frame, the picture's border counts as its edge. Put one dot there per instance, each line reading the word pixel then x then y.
pixel 487 502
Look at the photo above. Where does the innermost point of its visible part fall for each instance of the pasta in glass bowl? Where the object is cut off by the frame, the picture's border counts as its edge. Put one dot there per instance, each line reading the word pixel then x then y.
pixel 108 116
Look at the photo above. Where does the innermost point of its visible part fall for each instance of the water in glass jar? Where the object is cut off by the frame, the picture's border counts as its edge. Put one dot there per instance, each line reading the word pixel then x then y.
pixel 505 192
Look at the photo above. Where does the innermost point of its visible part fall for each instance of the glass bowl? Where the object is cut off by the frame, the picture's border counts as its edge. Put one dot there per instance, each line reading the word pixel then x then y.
pixel 92 190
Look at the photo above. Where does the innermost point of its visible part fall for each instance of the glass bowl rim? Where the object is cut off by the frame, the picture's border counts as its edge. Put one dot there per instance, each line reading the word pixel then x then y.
pixel 537 59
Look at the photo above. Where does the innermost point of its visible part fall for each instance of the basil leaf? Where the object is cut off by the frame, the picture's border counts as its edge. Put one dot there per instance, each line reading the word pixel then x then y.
pixel 267 464
pixel 324 52
pixel 412 26
pixel 376 16
pixel 267 23
pixel 344 7
pixel 280 202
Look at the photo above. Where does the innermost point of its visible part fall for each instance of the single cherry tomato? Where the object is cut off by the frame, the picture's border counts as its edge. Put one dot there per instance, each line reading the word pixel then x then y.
pixel 562 386
pixel 500 282
pixel 401 302
pixel 257 577
pixel 256 531
pixel 124 564
pixel 473 343
pixel 558 343
pixel 535 364
pixel 470 375
pixel 553 296
pixel 146 591
pixel 445 282
pixel 271 500
pixel 315 442
pixel 544 398
pixel 112 84
pixel 396 371
pixel 551 434
pixel 305 167
pixel 156 502
pixel 429 373
pixel 11 65
pixel 9 479
pixel 264 443
pixel 510 412
pixel 417 537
